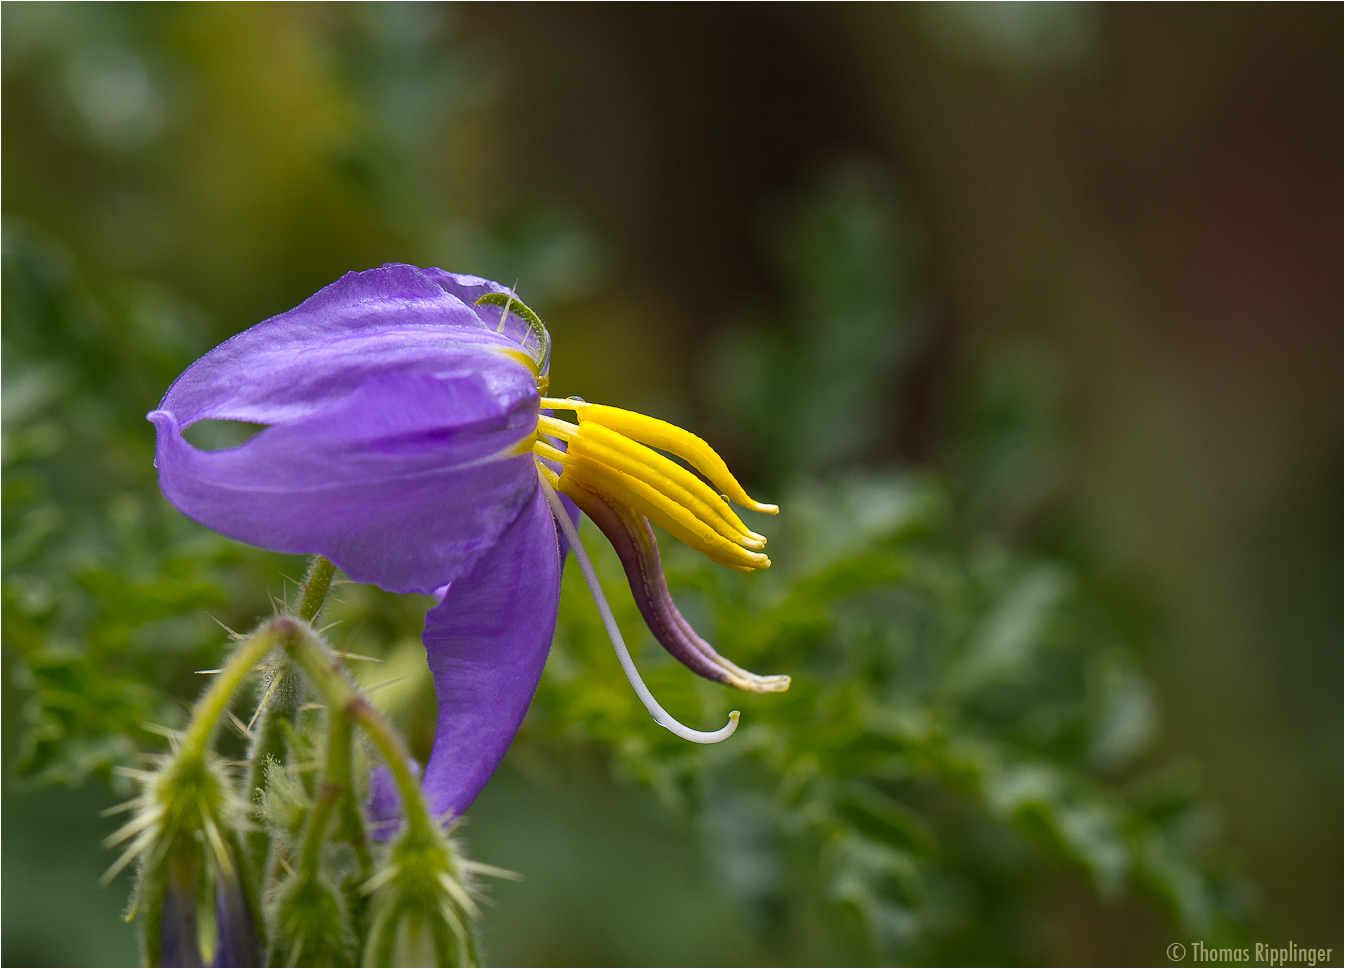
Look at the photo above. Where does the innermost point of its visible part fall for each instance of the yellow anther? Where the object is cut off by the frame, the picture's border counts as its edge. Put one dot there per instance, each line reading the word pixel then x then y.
pixel 601 454
pixel 653 504
pixel 665 437
pixel 680 486
pixel 556 427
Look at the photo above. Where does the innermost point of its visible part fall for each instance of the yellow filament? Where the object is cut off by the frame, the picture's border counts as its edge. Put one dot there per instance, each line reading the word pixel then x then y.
pixel 550 475
pixel 665 437
pixel 556 428
pixel 680 485
pixel 547 451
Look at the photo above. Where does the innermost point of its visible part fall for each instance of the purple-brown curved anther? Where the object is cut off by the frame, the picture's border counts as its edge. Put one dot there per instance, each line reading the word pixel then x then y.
pixel 633 538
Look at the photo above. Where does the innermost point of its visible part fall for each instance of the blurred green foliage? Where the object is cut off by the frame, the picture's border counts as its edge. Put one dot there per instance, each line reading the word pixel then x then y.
pixel 963 708
pixel 105 589
pixel 968 709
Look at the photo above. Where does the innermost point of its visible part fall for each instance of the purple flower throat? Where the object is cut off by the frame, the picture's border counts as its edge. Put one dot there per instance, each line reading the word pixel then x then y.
pixel 408 440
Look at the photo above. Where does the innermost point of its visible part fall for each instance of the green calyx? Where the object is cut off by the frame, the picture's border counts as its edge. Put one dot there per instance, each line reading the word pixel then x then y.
pixel 311 924
pixel 423 910
pixel 512 304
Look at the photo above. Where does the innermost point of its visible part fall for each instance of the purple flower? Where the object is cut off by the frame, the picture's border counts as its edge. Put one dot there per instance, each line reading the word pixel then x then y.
pixel 407 442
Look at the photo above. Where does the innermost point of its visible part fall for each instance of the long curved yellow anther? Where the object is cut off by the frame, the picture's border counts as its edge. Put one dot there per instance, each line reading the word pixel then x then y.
pixel 676 482
pixel 665 437
pixel 676 519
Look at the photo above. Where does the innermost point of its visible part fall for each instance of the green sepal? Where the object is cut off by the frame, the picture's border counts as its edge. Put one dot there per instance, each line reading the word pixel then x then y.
pixel 151 884
pixel 511 303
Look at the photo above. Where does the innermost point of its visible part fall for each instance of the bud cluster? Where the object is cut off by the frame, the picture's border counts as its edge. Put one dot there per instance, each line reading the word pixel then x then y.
pixel 270 861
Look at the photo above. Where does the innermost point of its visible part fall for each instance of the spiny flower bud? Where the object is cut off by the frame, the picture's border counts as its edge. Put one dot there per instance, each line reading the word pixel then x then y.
pixel 311 925
pixel 191 886
pixel 423 908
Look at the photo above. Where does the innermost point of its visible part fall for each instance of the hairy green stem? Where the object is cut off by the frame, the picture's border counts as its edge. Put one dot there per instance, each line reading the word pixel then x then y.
pixel 337 790
pixel 398 759
pixel 211 707
pixel 335 787
pixel 314 592
pixel 271 740
pixel 309 653
pixel 279 704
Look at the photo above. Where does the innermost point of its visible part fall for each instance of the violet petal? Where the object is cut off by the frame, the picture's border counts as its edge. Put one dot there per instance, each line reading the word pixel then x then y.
pixel 237 941
pixel 384 805
pixel 487 643
pixel 178 941
pixel 397 318
pixel 403 483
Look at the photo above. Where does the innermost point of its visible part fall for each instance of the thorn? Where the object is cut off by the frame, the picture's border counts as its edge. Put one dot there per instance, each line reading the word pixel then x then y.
pixel 262 705
pixel 312 706
pixel 161 731
pixel 330 625
pixel 235 636
pixel 209 672
pixel 133 803
pixel 132 773
pixel 241 727
pixel 369 659
pixel 394 680
pixel 355 630
pixel 492 871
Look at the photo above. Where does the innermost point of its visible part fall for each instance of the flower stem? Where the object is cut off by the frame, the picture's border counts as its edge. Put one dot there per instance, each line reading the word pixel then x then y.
pixel 277 707
pixel 398 759
pixel 276 713
pixel 335 787
pixel 314 592
pixel 321 668
pixel 211 707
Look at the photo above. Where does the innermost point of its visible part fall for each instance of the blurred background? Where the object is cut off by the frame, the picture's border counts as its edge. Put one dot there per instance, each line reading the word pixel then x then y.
pixel 1079 266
